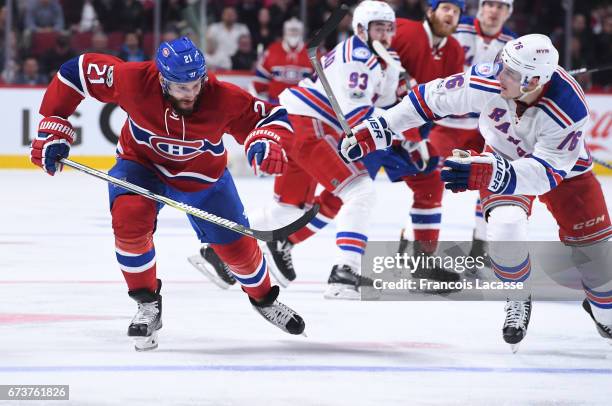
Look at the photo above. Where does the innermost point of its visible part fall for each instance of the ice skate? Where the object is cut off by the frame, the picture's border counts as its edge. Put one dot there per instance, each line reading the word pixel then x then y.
pixel 345 283
pixel 280 261
pixel 518 313
pixel 213 267
pixel 279 314
pixel 603 330
pixel 147 321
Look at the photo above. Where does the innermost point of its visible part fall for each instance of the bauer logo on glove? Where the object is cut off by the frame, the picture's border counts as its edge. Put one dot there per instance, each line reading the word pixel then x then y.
pixel 472 171
pixel 370 135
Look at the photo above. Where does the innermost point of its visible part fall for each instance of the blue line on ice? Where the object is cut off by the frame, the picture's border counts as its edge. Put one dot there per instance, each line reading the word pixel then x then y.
pixel 300 368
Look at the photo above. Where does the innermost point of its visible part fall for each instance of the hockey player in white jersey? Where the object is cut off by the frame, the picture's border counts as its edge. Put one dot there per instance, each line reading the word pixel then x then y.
pixel 360 82
pixel 532 116
pixel 482 38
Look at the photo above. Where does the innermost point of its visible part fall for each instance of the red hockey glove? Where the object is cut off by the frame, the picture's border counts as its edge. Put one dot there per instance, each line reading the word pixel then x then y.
pixel 55 135
pixel 265 153
pixel 423 154
pixel 472 171
pixel 368 136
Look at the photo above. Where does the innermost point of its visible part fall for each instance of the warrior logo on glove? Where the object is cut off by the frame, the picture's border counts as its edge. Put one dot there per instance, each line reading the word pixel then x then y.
pixel 55 135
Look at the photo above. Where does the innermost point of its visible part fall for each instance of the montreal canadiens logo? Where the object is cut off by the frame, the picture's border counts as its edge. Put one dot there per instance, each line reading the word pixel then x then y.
pixel 165 52
pixel 176 150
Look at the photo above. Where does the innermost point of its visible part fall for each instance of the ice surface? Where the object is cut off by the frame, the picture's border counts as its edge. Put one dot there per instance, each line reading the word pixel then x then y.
pixel 64 313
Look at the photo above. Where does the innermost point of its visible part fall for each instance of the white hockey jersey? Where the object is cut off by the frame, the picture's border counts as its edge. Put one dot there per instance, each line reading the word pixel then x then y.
pixel 478 48
pixel 545 144
pixel 358 81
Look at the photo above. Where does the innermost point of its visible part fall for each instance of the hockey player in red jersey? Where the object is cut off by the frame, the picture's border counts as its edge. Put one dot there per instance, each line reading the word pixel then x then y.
pixel 283 64
pixel 172 144
pixel 428 51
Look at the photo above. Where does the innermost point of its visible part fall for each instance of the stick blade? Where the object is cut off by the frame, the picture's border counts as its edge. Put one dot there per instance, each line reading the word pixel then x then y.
pixel 284 232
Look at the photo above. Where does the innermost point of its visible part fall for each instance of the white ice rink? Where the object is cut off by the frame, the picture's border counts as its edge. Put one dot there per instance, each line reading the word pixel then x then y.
pixel 64 312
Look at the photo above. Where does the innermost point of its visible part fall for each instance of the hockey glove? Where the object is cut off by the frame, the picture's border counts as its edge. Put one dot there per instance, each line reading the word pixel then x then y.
pixel 55 135
pixel 472 171
pixel 368 136
pixel 265 153
pixel 423 155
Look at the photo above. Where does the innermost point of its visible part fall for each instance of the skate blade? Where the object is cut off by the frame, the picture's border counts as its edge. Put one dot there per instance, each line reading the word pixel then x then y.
pixel 201 265
pixel 341 292
pixel 146 343
pixel 515 347
pixel 274 271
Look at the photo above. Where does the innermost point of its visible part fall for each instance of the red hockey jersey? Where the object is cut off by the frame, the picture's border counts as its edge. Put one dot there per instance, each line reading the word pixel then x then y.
pixel 186 152
pixel 279 68
pixel 424 62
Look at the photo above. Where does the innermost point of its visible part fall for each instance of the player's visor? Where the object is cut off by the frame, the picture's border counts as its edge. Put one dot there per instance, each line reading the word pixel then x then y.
pixel 382 27
pixel 502 69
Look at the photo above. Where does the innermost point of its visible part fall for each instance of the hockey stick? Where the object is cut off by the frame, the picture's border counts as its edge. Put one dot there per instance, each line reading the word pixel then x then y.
pixel 271 235
pixel 601 163
pixel 585 70
pixel 313 45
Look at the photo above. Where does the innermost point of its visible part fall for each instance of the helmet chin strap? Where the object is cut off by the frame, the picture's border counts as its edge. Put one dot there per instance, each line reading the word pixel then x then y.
pixel 525 94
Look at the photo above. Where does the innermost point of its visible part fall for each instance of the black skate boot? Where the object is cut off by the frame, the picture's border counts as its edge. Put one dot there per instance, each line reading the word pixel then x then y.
pixel 345 283
pixel 280 261
pixel 147 321
pixel 209 263
pixel 279 314
pixel 479 249
pixel 602 329
pixel 518 313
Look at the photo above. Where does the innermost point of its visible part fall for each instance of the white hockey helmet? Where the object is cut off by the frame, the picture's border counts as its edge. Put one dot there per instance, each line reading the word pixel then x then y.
pixel 509 3
pixel 370 10
pixel 293 32
pixel 530 55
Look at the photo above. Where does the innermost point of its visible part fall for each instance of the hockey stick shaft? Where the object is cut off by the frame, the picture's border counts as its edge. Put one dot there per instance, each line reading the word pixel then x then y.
pixel 329 25
pixel 272 235
pixel 603 163
pixel 586 70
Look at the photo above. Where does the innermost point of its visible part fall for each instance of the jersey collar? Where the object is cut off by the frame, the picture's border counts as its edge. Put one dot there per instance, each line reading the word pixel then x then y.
pixel 430 38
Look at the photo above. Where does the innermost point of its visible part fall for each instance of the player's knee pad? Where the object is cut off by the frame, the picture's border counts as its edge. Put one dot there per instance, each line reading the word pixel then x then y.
pixel 133 218
pixel 241 255
pixel 507 223
pixel 329 204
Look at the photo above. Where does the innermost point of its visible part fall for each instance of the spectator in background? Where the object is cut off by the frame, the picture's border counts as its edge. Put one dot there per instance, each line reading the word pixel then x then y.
pixel 281 11
pixel 215 59
pixel 263 36
pixel 30 74
pixel 227 32
pixel 248 13
pixel 89 17
pixel 342 32
pixel 44 15
pixel 245 57
pixel 56 56
pixel 99 44
pixel 10 70
pixel 579 60
pixel 602 43
pixel 130 15
pixel 583 34
pixel 131 50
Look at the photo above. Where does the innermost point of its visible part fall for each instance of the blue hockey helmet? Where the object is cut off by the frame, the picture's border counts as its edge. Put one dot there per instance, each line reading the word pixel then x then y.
pixel 180 61
pixel 459 3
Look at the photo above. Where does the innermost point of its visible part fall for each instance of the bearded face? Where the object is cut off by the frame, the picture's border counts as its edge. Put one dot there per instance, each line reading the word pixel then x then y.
pixel 444 19
pixel 184 97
